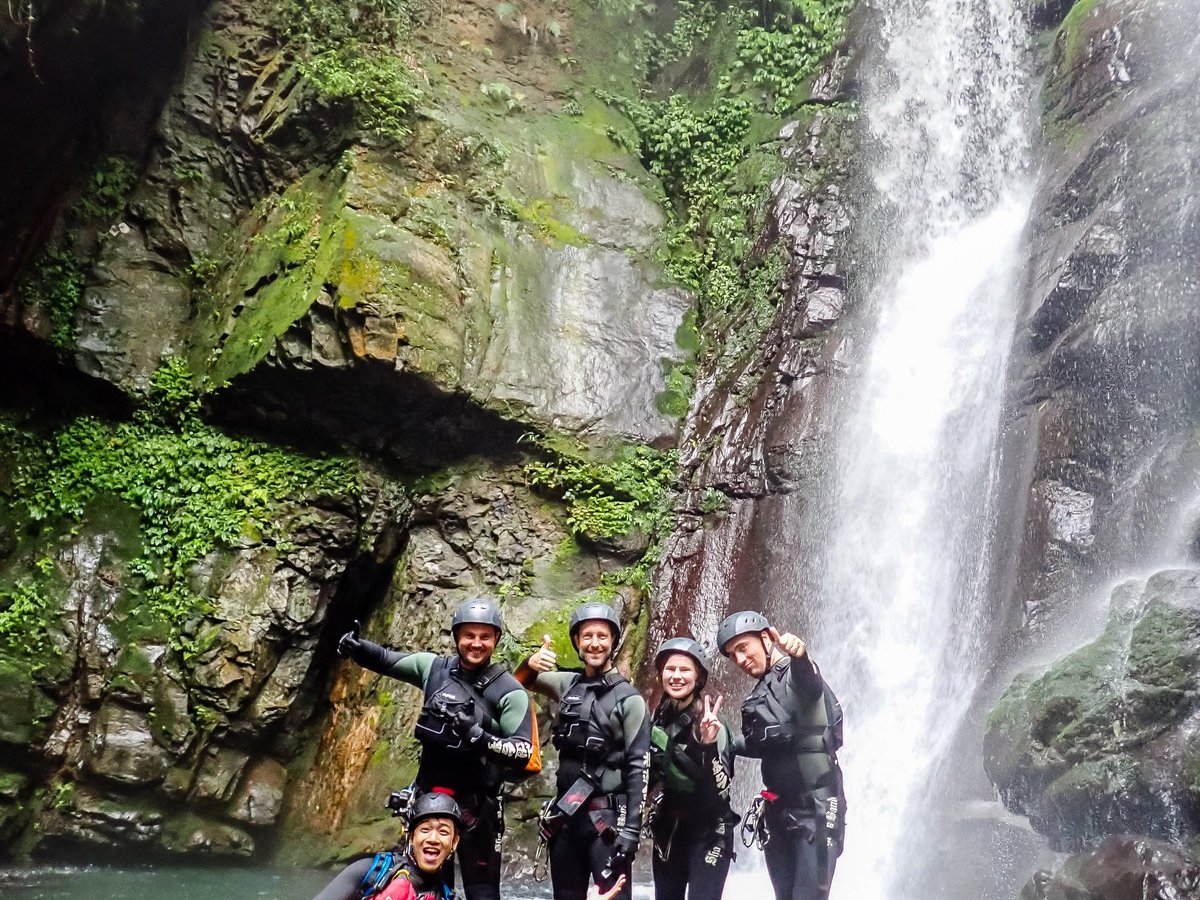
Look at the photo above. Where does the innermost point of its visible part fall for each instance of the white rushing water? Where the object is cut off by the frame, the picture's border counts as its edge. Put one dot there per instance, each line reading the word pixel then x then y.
pixel 903 600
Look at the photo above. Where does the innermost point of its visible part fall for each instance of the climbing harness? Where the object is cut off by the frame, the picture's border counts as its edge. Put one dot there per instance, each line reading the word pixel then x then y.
pixel 549 821
pixel 754 827
pixel 653 805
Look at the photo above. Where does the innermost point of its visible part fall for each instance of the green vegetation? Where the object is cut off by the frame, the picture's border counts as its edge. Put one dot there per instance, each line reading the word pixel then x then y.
pixel 712 147
pixel 55 283
pixel 628 495
pixel 26 611
pixel 607 499
pixel 194 488
pixel 348 52
pixel 56 278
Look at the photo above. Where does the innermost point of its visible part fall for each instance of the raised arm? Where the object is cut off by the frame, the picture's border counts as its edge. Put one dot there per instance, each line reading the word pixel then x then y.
pixel 412 668
pixel 803 676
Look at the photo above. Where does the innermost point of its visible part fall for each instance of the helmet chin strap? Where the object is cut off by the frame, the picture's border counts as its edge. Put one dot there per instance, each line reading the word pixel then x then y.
pixel 768 648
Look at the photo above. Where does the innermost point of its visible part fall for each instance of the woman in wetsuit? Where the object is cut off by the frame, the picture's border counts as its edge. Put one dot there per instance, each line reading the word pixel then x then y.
pixel 691 775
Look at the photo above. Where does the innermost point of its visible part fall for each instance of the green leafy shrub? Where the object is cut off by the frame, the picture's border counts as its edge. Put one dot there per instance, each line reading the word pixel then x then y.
pixel 608 499
pixel 55 282
pixel 56 278
pixel 347 51
pixel 26 611
pixel 195 489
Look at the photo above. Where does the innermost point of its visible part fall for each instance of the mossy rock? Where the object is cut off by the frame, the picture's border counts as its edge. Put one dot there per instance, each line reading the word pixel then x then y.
pixel 1095 799
pixel 25 711
pixel 1085 748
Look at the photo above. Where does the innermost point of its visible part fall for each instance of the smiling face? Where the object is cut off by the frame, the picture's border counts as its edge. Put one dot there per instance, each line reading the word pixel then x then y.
pixel 679 676
pixel 594 642
pixel 748 653
pixel 476 643
pixel 433 840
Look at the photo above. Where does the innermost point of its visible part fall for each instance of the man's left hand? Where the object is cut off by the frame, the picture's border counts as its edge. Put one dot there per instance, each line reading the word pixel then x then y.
pixel 788 643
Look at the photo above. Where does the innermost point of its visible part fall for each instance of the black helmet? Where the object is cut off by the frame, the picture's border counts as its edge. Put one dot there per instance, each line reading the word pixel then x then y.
pixel 476 611
pixel 599 612
pixel 435 805
pixel 748 622
pixel 687 647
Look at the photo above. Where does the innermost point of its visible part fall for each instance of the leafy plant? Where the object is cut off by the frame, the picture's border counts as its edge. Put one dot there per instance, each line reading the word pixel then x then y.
pixel 55 282
pixel 502 93
pixel 347 51
pixel 107 190
pixel 608 499
pixel 26 612
pixel 194 488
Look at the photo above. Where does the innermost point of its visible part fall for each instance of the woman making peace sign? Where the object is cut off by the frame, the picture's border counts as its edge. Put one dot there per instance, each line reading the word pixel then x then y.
pixel 691 774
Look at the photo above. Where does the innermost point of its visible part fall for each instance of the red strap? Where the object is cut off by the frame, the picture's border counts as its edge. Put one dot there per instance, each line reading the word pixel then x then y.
pixel 769 797
pixel 449 792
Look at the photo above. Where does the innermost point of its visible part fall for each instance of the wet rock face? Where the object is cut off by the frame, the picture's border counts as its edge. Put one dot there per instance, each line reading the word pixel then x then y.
pixel 1108 358
pixel 755 437
pixel 483 272
pixel 1104 741
pixel 130 741
pixel 1121 868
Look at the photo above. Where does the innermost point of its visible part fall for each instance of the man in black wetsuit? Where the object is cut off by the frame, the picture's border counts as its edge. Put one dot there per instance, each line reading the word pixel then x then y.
pixel 602 735
pixel 475 723
pixel 792 722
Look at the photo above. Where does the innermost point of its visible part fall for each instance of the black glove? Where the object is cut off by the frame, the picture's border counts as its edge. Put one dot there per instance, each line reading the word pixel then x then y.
pixel 466 727
pixel 350 643
pixel 623 851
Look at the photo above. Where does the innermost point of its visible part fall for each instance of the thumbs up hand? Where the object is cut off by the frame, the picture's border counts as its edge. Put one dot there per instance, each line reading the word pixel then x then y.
pixel 788 643
pixel 545 659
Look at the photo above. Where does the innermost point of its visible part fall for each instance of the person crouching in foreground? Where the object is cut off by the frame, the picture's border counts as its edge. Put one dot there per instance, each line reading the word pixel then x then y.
pixel 414 872
pixel 792 722
pixel 691 776
pixel 603 739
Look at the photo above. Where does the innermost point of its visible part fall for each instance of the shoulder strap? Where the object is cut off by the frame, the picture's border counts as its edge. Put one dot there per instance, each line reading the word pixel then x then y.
pixel 439 674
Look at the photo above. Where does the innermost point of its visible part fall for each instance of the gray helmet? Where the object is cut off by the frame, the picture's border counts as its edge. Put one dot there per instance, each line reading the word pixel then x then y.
pixel 683 645
pixel 435 805
pixel 747 622
pixel 476 611
pixel 687 647
pixel 599 612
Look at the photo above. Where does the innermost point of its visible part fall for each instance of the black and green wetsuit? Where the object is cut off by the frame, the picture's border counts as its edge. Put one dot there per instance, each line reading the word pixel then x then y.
pixel 693 824
pixel 786 724
pixel 602 734
pixel 472 768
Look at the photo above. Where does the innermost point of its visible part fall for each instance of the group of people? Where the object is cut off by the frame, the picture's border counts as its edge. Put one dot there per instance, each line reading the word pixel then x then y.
pixel 624 771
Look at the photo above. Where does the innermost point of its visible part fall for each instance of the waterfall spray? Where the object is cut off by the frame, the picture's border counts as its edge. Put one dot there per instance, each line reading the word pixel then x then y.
pixel 903 592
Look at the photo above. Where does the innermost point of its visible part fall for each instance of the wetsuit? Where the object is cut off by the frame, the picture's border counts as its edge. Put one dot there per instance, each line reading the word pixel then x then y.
pixel 602 734
pixel 693 823
pixel 407 883
pixel 472 768
pixel 785 723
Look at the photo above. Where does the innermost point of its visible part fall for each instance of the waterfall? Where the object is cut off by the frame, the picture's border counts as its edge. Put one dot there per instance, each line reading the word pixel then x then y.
pixel 901 615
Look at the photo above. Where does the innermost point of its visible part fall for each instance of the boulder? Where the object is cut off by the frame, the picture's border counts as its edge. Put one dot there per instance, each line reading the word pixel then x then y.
pixel 1100 743
pixel 122 748
pixel 259 797
pixel 1123 867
